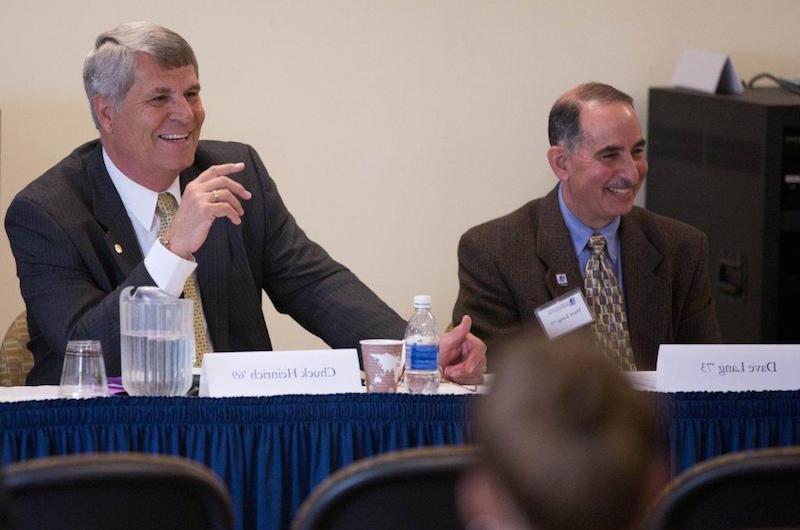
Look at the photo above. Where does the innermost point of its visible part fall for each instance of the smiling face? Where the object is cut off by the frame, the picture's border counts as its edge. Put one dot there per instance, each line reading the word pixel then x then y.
pixel 152 135
pixel 601 176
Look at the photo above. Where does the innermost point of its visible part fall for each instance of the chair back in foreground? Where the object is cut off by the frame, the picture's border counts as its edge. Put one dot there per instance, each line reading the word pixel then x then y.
pixel 750 489
pixel 6 521
pixel 414 488
pixel 15 358
pixel 116 491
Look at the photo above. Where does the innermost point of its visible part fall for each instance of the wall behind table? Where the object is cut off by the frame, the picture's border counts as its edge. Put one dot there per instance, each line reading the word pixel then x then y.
pixel 390 126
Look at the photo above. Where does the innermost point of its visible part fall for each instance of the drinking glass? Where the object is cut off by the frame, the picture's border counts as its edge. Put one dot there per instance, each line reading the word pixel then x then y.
pixel 84 372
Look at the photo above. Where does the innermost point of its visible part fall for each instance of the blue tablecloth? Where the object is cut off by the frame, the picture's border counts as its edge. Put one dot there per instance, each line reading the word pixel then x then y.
pixel 271 452
pixel 701 425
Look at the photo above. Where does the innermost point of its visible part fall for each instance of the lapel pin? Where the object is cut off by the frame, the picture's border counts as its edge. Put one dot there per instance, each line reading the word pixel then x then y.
pixel 561 279
pixel 118 248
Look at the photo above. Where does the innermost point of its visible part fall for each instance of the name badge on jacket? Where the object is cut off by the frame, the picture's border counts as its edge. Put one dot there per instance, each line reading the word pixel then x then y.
pixel 564 314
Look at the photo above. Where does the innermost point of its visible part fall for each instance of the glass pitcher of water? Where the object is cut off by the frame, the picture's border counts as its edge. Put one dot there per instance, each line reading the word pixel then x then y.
pixel 157 342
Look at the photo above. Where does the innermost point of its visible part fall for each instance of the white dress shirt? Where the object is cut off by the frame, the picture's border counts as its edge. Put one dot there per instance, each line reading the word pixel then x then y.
pixel 168 270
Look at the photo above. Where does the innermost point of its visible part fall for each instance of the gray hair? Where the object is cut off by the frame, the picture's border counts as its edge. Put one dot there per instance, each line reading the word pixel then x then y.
pixel 110 67
pixel 564 124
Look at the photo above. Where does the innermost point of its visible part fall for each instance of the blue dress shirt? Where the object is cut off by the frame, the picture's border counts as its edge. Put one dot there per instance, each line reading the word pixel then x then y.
pixel 580 234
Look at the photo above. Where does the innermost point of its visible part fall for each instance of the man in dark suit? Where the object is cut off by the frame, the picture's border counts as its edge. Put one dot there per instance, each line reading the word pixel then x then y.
pixel 510 266
pixel 151 204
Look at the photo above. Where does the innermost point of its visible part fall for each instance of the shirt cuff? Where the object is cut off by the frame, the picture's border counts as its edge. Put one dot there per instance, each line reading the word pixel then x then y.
pixel 167 269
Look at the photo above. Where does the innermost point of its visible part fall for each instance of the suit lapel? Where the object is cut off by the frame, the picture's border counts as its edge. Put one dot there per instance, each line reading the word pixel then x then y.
pixel 554 247
pixel 120 238
pixel 213 274
pixel 647 295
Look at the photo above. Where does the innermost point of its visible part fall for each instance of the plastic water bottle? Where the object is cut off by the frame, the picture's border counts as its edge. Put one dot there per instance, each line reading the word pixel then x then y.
pixel 422 349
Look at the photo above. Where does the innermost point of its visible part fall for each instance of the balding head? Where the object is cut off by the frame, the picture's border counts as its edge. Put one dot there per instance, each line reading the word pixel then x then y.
pixel 564 124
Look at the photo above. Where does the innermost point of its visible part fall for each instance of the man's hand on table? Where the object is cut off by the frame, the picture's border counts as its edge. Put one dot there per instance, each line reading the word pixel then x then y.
pixel 462 355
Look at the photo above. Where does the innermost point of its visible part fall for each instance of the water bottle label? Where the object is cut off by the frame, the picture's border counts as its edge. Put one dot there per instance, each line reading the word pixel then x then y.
pixel 423 356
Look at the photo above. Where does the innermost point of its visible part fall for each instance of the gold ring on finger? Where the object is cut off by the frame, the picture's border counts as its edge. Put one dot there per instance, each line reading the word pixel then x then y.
pixel 216 195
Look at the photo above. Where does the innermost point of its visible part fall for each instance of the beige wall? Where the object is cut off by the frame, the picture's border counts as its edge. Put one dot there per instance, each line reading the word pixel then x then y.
pixel 390 126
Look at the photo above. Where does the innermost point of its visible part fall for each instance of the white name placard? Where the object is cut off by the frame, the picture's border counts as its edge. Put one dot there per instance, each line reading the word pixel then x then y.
pixel 707 70
pixel 271 373
pixel 727 367
pixel 566 313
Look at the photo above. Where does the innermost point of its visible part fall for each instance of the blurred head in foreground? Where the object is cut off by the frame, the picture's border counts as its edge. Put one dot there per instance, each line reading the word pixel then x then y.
pixel 567 444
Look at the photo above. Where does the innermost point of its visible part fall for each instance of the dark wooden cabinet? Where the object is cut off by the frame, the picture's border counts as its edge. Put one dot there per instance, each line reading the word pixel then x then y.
pixel 730 165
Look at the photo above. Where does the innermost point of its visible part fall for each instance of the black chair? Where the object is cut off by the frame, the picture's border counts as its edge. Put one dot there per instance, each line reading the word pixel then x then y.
pixel 751 489
pixel 6 520
pixel 122 491
pixel 414 489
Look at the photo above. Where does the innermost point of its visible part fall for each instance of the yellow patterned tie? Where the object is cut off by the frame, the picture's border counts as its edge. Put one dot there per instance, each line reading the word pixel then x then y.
pixel 605 298
pixel 167 206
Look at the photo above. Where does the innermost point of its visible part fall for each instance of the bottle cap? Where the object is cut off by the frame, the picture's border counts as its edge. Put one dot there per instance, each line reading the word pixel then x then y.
pixel 422 300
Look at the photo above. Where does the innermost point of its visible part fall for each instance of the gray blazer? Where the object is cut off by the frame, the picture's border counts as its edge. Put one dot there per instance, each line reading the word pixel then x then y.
pixel 508 267
pixel 64 226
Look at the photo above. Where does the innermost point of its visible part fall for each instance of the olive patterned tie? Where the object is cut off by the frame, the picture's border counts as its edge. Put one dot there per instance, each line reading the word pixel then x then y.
pixel 605 298
pixel 167 206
